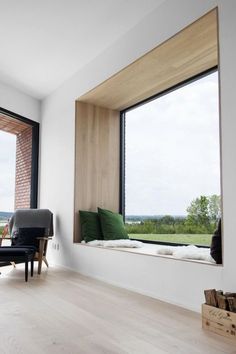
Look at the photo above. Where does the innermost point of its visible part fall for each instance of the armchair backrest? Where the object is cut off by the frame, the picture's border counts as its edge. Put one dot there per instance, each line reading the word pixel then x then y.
pixel 32 218
pixel 26 225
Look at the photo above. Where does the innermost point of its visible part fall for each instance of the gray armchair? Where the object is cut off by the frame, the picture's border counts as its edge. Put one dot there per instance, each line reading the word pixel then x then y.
pixel 33 228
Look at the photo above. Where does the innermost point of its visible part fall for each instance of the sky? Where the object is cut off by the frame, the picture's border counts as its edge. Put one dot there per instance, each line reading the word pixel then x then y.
pixel 172 150
pixel 7 170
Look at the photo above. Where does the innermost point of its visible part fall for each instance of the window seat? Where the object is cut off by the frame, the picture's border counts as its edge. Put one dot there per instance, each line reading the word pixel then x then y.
pixel 164 252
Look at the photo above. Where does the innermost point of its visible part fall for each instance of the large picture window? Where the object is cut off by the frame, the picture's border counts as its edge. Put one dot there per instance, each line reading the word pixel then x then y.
pixel 19 146
pixel 172 165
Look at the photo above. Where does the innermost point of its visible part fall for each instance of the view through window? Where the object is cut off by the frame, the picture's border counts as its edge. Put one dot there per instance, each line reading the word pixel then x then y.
pixel 172 165
pixel 7 176
pixel 18 165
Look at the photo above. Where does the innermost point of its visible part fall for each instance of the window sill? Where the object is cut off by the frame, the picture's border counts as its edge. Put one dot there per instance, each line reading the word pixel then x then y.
pixel 151 250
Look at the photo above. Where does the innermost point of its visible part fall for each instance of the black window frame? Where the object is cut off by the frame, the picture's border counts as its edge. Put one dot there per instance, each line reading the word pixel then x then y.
pixel 122 145
pixel 34 156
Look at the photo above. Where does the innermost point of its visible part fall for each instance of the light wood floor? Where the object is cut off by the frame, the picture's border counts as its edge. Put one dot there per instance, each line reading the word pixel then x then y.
pixel 63 312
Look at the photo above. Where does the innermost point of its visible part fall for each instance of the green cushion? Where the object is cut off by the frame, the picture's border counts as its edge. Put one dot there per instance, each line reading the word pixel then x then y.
pixel 112 224
pixel 90 226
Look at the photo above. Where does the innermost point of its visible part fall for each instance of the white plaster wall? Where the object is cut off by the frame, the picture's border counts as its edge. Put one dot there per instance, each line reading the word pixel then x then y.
pixel 18 102
pixel 174 281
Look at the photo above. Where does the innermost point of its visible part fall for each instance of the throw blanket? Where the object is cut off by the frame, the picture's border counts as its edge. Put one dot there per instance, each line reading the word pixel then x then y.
pixel 122 243
pixel 189 252
pixel 29 218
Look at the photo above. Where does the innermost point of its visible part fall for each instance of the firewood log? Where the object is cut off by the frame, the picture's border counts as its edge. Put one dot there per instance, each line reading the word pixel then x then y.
pixel 232 303
pixel 222 302
pixel 210 296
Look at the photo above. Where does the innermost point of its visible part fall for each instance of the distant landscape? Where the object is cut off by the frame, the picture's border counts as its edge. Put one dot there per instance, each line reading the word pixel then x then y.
pixel 168 228
pixel 196 227
pixel 5 215
pixel 140 218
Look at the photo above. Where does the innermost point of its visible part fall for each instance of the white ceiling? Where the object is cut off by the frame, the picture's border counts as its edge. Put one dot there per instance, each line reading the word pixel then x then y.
pixel 45 42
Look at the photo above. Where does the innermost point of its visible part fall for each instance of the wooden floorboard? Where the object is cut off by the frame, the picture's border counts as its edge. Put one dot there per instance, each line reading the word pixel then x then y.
pixel 61 311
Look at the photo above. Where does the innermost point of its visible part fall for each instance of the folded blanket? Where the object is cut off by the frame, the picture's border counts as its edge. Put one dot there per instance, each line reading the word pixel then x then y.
pixel 122 243
pixel 30 218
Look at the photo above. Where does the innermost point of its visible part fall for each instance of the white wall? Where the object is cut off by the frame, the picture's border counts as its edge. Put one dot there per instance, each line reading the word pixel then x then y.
pixel 18 102
pixel 170 280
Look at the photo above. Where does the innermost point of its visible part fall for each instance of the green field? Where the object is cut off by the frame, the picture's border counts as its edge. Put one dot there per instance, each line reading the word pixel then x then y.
pixel 196 239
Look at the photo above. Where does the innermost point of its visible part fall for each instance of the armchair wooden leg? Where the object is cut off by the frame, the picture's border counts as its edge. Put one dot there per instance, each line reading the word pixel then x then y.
pixel 45 261
pixel 32 268
pixel 39 265
pixel 26 270
pixel 40 256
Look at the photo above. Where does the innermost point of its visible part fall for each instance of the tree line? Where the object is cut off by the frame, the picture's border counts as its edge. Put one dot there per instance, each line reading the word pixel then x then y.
pixel 203 214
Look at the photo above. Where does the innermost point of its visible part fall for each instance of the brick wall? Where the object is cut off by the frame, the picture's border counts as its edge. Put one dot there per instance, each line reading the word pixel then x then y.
pixel 23 169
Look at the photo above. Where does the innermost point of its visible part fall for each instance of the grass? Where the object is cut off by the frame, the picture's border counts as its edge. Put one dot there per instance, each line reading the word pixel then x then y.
pixel 196 239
